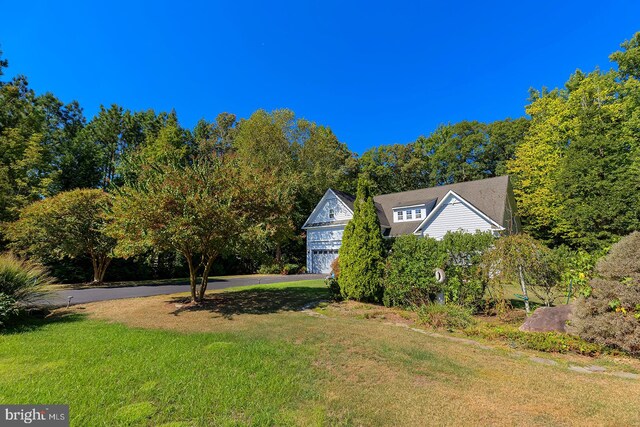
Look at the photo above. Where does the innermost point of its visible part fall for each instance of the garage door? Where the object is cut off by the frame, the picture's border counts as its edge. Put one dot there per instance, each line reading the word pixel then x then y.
pixel 322 259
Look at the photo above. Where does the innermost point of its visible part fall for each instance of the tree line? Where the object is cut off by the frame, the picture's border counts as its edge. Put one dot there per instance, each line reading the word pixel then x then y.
pixel 574 161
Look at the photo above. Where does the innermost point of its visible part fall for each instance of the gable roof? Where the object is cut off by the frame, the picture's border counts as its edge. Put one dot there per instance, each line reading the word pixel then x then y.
pixel 452 194
pixel 346 198
pixel 490 196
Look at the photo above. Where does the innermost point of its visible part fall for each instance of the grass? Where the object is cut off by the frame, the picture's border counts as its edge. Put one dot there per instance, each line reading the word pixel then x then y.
pixel 251 357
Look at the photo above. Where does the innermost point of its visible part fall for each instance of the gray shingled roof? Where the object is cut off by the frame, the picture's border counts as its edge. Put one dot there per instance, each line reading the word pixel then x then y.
pixel 489 196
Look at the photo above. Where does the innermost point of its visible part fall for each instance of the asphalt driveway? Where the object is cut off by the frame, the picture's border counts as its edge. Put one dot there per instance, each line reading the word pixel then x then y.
pixel 82 296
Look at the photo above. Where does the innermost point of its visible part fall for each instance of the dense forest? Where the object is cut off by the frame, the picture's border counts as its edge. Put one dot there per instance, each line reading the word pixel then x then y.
pixel 574 160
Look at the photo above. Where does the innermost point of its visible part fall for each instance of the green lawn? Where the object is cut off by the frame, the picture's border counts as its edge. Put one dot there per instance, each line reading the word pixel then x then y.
pixel 250 357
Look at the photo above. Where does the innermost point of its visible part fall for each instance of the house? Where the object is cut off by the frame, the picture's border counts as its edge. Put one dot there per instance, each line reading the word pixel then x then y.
pixel 484 205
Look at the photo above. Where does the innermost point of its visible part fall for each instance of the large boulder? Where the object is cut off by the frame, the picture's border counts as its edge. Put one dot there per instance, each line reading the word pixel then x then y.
pixel 548 319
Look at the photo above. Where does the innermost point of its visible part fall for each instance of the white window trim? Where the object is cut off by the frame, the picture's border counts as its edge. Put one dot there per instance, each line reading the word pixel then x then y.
pixel 409 213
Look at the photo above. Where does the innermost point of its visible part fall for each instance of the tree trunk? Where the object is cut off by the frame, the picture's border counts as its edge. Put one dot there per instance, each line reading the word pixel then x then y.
pixel 192 277
pixel 278 254
pixel 100 264
pixel 205 278
pixel 524 289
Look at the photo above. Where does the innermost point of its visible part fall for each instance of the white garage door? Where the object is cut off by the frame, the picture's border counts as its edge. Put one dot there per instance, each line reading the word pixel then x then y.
pixel 322 260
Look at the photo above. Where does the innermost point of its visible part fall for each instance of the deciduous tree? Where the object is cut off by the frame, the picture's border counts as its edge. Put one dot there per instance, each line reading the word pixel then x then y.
pixel 195 209
pixel 70 224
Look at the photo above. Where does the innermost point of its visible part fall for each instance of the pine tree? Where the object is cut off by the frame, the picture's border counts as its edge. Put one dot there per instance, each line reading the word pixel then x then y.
pixel 361 254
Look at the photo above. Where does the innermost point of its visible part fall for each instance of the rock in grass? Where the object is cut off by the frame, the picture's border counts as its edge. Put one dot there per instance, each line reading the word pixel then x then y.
pixel 548 319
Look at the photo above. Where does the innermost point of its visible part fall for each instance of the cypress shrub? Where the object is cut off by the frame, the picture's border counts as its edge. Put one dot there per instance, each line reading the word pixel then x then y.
pixel 361 254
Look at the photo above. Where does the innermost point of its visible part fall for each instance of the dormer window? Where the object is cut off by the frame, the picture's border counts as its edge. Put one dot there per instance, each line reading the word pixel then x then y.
pixel 413 212
pixel 332 214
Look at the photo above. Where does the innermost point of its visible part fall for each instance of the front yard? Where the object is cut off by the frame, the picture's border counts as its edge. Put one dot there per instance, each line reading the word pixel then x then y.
pixel 264 356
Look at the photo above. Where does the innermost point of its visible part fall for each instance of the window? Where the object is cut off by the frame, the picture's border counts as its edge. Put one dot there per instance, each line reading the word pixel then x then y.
pixel 400 216
pixel 409 214
pixel 418 213
pixel 332 214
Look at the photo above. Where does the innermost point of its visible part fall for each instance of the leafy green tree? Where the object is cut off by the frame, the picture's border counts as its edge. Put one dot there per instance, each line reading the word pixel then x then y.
pixel 197 210
pixel 25 154
pixel 3 64
pixel 361 254
pixel 323 161
pixel 628 58
pixel 534 169
pixel 70 224
pixel 577 172
pixel 454 152
pixel 215 138
pixel 394 168
pixel 504 137
pixel 597 185
pixel 264 143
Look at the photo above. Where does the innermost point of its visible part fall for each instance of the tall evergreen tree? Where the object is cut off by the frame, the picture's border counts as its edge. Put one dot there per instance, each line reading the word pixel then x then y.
pixel 361 254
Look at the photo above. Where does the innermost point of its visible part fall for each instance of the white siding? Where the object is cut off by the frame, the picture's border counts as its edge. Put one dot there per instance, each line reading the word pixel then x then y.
pixel 319 235
pixel 454 215
pixel 341 212
pixel 322 239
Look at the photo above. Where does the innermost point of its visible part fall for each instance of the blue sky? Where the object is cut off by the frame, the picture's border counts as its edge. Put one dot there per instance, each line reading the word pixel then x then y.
pixel 376 73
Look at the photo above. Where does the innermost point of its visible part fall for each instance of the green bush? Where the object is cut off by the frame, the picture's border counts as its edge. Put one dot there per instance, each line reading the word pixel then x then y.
pixel 550 342
pixel 290 269
pixel 334 287
pixel 610 313
pixel 449 316
pixel 269 269
pixel 409 276
pixel 410 269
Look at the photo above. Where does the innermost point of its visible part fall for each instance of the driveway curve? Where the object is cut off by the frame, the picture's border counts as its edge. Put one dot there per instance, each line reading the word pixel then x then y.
pixel 82 296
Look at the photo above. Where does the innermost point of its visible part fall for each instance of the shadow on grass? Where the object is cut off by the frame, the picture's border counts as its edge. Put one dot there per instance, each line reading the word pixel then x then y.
pixel 36 319
pixel 256 301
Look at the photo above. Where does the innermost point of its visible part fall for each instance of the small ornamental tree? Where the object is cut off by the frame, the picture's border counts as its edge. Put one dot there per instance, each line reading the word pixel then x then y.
pixel 520 259
pixel 198 210
pixel 361 254
pixel 610 313
pixel 70 224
